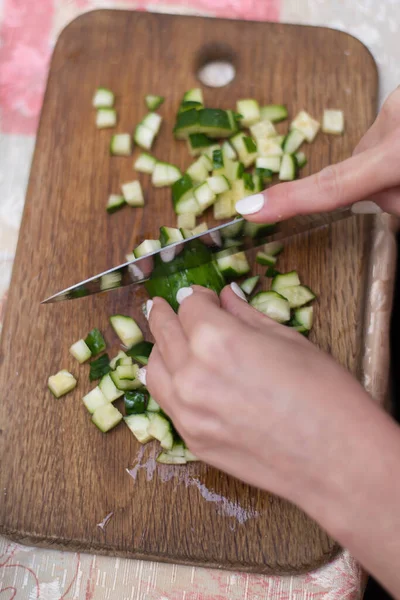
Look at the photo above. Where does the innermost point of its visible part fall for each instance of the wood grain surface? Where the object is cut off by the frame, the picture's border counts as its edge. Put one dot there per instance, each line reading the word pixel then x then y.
pixel 59 476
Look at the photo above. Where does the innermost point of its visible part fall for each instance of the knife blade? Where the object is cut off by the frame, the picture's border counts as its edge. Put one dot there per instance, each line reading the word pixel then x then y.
pixel 223 240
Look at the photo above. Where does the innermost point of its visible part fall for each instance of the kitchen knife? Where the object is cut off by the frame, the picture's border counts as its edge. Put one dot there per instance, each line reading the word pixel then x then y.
pixel 223 240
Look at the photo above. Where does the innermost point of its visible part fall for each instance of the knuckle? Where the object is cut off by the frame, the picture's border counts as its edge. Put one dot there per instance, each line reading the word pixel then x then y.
pixel 190 381
pixel 328 184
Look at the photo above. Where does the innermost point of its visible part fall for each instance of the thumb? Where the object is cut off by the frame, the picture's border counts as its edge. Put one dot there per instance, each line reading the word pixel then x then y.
pixel 354 179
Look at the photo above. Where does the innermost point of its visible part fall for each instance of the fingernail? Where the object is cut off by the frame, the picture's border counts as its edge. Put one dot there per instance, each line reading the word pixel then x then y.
pixel 149 306
pixel 183 293
pixel 365 207
pixel 142 373
pixel 250 205
pixel 239 292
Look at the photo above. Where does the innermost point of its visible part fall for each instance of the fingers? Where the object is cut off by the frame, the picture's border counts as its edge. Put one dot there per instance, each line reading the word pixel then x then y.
pixel 169 336
pixel 389 200
pixel 340 185
pixel 159 382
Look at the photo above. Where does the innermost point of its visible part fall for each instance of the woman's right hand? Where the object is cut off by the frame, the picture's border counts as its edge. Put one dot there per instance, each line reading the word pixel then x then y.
pixel 372 173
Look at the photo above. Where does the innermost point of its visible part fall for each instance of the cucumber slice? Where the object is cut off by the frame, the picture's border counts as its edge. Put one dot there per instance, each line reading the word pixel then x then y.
pixel 110 391
pixel 333 121
pixel 274 113
pixel 165 458
pixel 133 194
pixel 61 383
pixel 193 95
pixel 308 126
pixel 285 280
pixel 146 247
pixel 273 305
pixel 115 361
pixel 144 137
pixel 153 122
pixel 273 248
pixel 223 206
pixel 125 384
pixel 169 235
pixel 266 259
pixel 126 373
pixel 198 171
pixel 218 184
pixel 106 417
pixel 249 110
pixel 293 141
pixel 305 316
pixel 152 405
pixel 165 174
pixel 216 123
pixel 81 351
pixel 103 98
pixel 198 143
pixel 159 428
pixel 114 203
pixel 201 228
pixel 145 163
pixel 262 130
pixel 270 163
pixel 183 197
pixel 228 151
pixel 141 352
pixel 94 399
pixel 95 341
pixel 126 329
pixel 187 221
pixel 301 159
pixel 99 367
pixel 139 424
pixel 186 123
pixel 153 102
pixel 288 169
pixel 249 285
pixel 242 144
pixel 269 147
pixel 234 266
pixel 297 295
pixel 106 117
pixel 121 144
pixel 204 195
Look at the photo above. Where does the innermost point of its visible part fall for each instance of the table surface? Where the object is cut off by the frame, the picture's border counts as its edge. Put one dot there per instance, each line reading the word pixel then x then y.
pixel 28 31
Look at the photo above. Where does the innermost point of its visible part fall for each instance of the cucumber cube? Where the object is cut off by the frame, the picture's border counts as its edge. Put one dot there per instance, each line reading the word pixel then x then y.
pixel 106 417
pixel 133 193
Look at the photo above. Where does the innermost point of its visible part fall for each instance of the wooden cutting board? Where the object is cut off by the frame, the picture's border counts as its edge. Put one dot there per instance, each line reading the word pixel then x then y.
pixel 59 476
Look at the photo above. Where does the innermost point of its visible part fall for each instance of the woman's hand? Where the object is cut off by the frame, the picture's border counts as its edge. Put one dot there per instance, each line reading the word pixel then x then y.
pixel 372 173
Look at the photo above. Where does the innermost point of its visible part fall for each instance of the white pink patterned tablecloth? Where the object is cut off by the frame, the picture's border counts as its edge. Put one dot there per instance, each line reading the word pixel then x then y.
pixel 28 31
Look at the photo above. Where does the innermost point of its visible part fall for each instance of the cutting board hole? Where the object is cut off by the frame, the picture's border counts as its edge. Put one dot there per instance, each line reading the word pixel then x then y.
pixel 217 73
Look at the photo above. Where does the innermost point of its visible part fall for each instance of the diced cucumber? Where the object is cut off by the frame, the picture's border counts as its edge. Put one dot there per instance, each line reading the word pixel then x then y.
pixel 193 95
pixel 259 181
pixel 139 424
pixel 126 329
pixel 145 163
pixel 94 399
pixel 263 129
pixel 266 259
pixel 285 280
pixel 133 194
pixel 81 351
pixel 198 171
pixel 223 206
pixel 274 112
pixel 121 144
pixel 103 98
pixel 305 316
pixel 124 362
pixel 271 163
pixel 144 137
pixel 293 141
pixel 248 182
pixel 168 441
pixel 234 265
pixel 333 121
pixel 141 352
pixel 110 391
pixel 106 417
pixel 114 362
pixel 271 272
pixel 218 184
pixel 204 195
pixel 201 228
pixel 110 281
pixel 152 405
pixel 301 159
pixel 125 384
pixel 114 203
pixel 297 295
pixel 210 151
pixel 308 126
pixel 232 170
pixel 153 122
pixel 169 235
pixel 228 151
pixel 165 174
pixel 126 373
pixel 246 151
pixel 153 102
pixel 95 341
pixel 165 458
pixel 99 367
pixel 269 147
pixel 187 233
pixel 249 110
pixel 187 221
pixel 273 248
pixel 178 449
pixel 218 159
pixel 160 428
pixel 106 117
pixel 186 123
pixel 198 142
pixel 188 105
pixel 216 123
pixel 146 247
pixel 257 230
pixel 288 170
pixel 183 197
pixel 61 383
pixel 190 457
pixel 249 285
pixel 273 305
